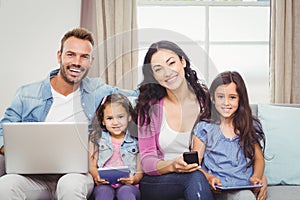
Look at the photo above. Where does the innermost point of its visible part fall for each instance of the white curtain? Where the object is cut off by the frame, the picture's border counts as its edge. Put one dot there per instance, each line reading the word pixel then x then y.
pixel 114 25
pixel 285 51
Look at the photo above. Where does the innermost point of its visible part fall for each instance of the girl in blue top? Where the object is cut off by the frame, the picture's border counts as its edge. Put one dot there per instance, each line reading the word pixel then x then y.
pixel 112 145
pixel 231 139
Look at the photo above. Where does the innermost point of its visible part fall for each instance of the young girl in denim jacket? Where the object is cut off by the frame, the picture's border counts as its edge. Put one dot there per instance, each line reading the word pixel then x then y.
pixel 112 145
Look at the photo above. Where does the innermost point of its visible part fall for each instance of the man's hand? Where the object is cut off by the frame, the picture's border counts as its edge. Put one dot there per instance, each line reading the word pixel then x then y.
pixel 2 150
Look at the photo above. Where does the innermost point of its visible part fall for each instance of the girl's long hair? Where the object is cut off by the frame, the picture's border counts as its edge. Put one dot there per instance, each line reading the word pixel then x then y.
pixel 151 91
pixel 246 126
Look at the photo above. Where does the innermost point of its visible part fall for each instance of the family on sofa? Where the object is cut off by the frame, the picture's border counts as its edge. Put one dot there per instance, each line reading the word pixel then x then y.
pixel 229 140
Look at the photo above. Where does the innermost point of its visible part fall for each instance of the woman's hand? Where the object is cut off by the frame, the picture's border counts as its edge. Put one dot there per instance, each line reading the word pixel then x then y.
pixel 180 166
pixel 177 165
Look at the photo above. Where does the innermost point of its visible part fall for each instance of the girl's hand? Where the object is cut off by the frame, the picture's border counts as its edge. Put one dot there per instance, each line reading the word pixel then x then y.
pixel 262 194
pixel 180 166
pixel 255 180
pixel 212 180
pixel 128 181
pixel 133 179
pixel 101 182
pixel 94 173
pixel 96 177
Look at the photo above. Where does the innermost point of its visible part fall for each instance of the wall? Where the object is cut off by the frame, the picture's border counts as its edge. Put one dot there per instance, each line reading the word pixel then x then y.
pixel 30 33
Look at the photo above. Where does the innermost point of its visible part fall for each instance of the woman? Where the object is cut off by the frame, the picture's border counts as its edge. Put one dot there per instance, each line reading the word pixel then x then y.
pixel 171 97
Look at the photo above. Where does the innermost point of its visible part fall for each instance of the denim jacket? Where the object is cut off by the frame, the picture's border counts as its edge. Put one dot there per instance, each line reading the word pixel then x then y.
pixel 128 150
pixel 32 102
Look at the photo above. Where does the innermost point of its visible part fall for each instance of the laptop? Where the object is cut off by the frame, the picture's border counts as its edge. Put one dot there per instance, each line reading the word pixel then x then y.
pixel 45 147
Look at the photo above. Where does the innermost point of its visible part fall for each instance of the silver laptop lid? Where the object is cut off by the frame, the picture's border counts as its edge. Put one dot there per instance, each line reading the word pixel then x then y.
pixel 46 147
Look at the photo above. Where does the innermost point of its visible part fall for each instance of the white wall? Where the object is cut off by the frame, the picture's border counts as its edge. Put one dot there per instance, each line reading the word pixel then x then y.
pixel 30 33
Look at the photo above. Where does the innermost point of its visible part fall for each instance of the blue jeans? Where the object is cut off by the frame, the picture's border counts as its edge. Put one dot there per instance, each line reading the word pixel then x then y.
pixel 173 186
pixel 124 192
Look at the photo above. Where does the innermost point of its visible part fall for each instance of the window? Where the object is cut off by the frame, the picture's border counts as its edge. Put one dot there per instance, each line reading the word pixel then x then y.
pixel 216 35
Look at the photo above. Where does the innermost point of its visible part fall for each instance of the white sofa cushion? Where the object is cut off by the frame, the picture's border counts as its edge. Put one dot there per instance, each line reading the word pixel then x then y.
pixel 281 125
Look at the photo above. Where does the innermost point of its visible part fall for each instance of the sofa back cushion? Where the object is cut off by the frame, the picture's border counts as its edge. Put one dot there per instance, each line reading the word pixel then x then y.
pixel 282 128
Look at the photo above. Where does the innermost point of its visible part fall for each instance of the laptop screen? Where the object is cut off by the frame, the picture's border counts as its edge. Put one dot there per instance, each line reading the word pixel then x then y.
pixel 46 147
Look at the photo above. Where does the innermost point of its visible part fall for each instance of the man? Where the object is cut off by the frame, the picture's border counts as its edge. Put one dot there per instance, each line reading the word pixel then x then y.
pixel 67 94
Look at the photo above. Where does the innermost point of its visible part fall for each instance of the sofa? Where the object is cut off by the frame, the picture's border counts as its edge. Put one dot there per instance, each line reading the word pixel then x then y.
pixel 281 125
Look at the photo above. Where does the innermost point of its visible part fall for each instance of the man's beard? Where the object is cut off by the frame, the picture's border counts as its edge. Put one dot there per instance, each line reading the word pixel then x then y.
pixel 65 77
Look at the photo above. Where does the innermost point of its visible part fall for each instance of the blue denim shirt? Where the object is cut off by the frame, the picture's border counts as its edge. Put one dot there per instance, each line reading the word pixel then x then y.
pixel 222 157
pixel 128 150
pixel 32 102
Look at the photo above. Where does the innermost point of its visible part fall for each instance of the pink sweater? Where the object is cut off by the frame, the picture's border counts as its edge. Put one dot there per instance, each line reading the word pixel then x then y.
pixel 150 150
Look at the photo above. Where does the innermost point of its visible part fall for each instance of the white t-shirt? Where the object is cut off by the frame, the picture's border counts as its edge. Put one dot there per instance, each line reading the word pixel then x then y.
pixel 173 143
pixel 66 108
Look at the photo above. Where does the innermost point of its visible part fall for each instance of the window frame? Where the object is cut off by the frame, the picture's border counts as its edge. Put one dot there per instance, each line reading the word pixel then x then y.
pixel 207 43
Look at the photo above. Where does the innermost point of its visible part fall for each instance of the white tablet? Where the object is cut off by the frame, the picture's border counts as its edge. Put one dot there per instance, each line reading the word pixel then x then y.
pixel 241 187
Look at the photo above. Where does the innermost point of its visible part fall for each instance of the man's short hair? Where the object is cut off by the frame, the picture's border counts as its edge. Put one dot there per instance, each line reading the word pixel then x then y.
pixel 80 33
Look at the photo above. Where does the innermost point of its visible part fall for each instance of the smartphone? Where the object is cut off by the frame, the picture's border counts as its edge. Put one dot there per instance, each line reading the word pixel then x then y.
pixel 191 157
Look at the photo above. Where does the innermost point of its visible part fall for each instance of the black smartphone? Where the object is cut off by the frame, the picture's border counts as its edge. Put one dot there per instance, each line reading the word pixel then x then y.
pixel 191 157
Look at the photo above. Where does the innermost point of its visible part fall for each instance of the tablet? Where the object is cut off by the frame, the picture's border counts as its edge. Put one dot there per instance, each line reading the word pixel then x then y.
pixel 112 174
pixel 241 187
